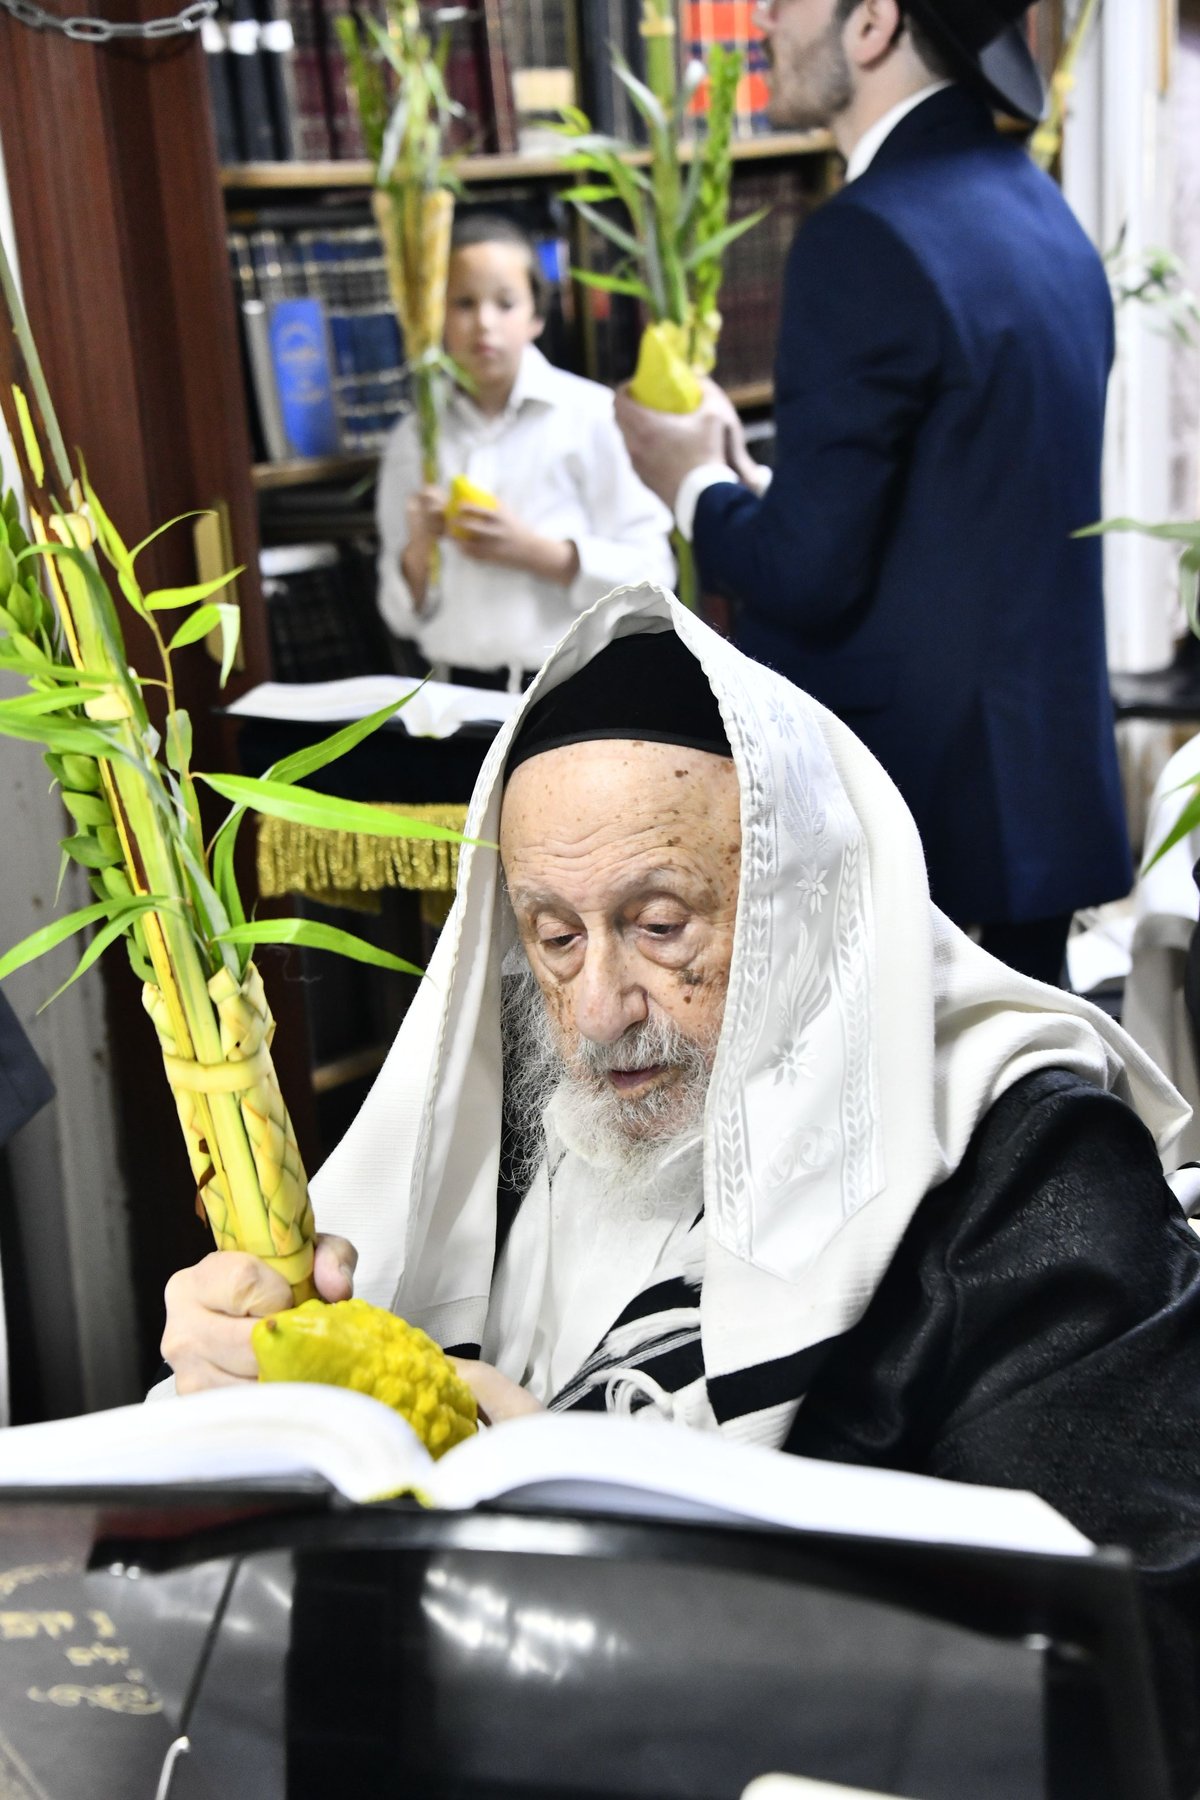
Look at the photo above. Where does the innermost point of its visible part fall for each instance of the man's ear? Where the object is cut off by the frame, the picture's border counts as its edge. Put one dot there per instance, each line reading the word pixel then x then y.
pixel 872 31
pixel 536 327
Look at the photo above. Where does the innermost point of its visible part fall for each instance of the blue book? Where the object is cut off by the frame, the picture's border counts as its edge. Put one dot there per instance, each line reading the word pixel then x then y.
pixel 304 376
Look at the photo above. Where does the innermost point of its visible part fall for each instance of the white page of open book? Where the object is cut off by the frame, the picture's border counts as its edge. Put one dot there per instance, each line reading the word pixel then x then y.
pixel 591 1462
pixel 577 1463
pixel 436 708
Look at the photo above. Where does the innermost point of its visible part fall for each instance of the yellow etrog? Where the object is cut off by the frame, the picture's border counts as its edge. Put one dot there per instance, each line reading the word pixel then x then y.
pixel 663 379
pixel 353 1344
pixel 465 492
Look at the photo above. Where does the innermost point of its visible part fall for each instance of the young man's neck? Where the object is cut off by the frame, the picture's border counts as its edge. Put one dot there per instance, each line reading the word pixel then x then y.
pixel 878 92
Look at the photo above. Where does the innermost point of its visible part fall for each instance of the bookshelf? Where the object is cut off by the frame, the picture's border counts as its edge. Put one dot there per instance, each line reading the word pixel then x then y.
pixel 300 177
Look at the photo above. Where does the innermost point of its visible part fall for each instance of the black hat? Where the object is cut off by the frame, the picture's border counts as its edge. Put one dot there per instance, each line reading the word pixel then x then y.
pixel 648 686
pixel 987 47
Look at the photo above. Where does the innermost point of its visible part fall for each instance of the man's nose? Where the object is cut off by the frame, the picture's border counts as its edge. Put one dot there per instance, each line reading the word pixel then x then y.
pixel 608 999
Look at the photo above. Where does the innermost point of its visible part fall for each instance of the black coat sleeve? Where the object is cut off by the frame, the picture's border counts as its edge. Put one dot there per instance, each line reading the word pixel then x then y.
pixel 1039 1327
pixel 860 355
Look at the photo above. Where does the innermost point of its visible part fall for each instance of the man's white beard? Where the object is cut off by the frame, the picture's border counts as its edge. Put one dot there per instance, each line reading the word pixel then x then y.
pixel 635 1143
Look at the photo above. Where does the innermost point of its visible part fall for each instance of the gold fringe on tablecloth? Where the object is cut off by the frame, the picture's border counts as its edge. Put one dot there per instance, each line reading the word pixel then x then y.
pixel 334 866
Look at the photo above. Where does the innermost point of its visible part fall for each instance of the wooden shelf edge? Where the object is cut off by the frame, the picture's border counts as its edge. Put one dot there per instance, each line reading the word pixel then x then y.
pixel 279 177
pixel 300 471
pixel 746 394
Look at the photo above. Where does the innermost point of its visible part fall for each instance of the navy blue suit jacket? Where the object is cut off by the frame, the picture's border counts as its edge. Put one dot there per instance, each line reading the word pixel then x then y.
pixel 944 350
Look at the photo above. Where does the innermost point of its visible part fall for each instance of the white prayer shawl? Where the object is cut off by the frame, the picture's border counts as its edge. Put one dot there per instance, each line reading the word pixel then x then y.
pixel 864 1037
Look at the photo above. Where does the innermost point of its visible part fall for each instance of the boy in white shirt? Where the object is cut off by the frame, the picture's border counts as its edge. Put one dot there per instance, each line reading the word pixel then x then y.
pixel 573 520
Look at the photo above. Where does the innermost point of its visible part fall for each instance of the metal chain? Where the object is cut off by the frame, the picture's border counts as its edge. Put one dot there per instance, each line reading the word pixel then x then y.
pixel 102 31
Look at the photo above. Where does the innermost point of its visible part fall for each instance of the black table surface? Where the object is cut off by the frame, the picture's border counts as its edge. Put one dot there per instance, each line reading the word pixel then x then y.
pixel 495 1654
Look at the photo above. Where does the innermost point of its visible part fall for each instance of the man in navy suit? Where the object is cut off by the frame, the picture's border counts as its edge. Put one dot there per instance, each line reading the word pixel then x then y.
pixel 945 342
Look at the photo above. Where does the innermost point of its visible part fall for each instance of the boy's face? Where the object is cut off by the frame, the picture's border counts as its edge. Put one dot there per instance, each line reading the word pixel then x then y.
pixel 490 314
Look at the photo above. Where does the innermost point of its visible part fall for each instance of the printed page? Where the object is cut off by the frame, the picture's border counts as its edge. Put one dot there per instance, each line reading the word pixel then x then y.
pixel 648 1468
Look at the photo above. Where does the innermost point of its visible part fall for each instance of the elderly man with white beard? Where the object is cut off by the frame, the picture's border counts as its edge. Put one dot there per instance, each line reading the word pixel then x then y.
pixel 704 1113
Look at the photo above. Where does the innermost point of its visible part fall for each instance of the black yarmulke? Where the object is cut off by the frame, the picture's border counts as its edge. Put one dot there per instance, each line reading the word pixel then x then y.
pixel 646 686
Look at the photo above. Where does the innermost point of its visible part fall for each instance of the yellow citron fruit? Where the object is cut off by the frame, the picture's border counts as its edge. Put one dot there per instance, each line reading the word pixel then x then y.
pixel 663 379
pixel 465 492
pixel 353 1344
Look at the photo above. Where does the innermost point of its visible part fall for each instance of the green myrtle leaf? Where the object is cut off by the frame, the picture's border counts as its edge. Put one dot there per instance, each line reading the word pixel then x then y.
pixel 79 773
pixel 167 599
pixel 85 849
pixel 139 962
pixel 310 934
pixel 116 883
pixel 282 801
pixel 87 809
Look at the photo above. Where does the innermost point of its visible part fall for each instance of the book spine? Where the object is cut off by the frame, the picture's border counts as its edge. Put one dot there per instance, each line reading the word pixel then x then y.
pixel 300 354
pixel 250 92
pixel 277 47
pixel 256 325
pixel 214 39
pixel 312 140
pixel 499 86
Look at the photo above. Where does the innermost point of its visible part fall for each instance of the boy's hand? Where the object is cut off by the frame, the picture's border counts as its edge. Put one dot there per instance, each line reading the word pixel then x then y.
pixel 494 534
pixel 212 1307
pixel 425 516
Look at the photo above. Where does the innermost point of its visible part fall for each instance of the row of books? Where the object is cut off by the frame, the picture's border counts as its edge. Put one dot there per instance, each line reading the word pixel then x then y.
pixel 321 341
pixel 278 80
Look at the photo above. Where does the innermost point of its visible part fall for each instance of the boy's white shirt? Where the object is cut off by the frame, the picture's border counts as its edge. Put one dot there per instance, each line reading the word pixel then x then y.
pixel 556 459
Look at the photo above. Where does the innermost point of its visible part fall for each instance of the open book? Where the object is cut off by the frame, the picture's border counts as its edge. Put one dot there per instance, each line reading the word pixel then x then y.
pixel 594 1463
pixel 436 709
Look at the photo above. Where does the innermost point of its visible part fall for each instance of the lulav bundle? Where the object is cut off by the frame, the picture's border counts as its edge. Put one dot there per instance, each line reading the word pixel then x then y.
pixel 673 247
pixel 135 826
pixel 413 197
